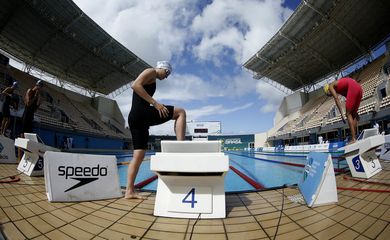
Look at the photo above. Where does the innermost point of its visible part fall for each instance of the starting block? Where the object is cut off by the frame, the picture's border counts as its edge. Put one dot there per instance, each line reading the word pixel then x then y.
pixel 361 157
pixel 31 163
pixel 7 150
pixel 190 179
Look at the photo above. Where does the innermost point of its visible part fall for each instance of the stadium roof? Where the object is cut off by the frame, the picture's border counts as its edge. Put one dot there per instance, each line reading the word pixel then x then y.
pixel 320 38
pixel 60 39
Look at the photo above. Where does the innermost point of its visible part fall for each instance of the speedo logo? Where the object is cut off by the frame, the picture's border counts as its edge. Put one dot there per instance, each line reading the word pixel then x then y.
pixel 84 175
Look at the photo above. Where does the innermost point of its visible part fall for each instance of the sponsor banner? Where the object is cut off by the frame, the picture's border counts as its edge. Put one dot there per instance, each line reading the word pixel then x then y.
pixel 233 141
pixel 335 146
pixel 73 177
pixel 318 183
pixel 7 150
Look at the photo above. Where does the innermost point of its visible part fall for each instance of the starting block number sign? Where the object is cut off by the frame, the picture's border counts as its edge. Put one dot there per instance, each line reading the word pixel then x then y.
pixel 191 199
pixel 31 164
pixel 364 165
pixel 358 165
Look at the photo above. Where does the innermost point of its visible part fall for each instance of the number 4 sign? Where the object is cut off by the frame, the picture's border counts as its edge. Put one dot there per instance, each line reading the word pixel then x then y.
pixel 191 199
pixel 192 194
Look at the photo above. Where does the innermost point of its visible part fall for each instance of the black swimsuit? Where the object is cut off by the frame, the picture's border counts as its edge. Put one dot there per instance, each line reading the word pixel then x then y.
pixel 142 116
pixel 28 117
pixel 6 109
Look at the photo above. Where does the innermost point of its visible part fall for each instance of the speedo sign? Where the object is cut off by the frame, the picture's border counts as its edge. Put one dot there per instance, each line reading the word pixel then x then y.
pixel 80 177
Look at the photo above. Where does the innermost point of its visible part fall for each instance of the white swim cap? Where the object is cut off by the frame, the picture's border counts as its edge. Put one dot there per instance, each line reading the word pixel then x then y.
pixel 164 65
pixel 39 83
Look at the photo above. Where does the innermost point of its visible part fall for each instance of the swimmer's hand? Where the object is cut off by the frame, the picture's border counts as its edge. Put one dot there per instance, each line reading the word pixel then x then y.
pixel 162 110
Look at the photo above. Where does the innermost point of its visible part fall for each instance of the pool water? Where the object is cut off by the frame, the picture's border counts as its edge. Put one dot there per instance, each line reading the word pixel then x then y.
pixel 266 170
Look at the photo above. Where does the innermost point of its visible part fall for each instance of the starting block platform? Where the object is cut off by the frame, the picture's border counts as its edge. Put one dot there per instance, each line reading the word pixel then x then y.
pixel 31 163
pixel 361 157
pixel 190 179
pixel 7 150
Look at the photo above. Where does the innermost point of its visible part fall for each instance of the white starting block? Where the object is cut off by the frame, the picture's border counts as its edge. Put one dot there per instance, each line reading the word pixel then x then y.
pixel 7 150
pixel 71 177
pixel 190 179
pixel 31 163
pixel 361 157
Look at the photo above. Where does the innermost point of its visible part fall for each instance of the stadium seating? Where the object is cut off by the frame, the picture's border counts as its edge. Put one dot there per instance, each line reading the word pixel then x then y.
pixel 59 111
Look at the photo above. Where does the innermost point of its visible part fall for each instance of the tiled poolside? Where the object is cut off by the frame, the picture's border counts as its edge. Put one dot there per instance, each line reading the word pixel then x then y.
pixel 26 214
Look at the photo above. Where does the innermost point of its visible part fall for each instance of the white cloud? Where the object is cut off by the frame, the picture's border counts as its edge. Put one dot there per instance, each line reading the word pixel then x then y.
pixel 157 30
pixel 185 87
pixel 196 114
pixel 188 87
pixel 150 29
pixel 272 96
pixel 124 101
pixel 240 84
pixel 243 26
pixel 163 129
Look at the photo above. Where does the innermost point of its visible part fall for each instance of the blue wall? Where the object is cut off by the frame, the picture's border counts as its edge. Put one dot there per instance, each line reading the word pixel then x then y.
pixel 56 138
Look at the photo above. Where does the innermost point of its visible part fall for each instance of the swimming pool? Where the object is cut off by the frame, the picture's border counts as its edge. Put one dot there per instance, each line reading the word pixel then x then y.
pixel 269 171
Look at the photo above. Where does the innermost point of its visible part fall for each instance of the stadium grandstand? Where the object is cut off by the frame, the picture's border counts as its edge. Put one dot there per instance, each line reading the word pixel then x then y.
pixel 321 41
pixel 57 39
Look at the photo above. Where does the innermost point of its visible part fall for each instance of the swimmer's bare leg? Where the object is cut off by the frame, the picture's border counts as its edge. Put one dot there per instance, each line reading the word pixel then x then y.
pixel 138 157
pixel 179 115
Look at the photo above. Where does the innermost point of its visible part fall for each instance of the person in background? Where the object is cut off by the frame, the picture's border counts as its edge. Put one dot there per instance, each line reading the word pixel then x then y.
pixel 377 127
pixel 32 101
pixel 146 112
pixel 353 93
pixel 8 93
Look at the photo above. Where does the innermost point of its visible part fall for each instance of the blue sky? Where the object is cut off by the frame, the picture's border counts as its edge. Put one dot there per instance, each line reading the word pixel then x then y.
pixel 207 42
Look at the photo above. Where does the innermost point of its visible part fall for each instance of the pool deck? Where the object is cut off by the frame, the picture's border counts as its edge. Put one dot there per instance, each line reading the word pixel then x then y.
pixel 26 214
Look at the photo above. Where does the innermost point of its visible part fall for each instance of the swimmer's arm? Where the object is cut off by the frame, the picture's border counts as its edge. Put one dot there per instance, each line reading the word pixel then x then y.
pixel 5 92
pixel 145 78
pixel 336 99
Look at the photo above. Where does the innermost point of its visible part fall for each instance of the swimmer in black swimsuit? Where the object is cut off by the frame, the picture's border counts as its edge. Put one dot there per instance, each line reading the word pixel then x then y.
pixel 6 106
pixel 146 112
pixel 32 101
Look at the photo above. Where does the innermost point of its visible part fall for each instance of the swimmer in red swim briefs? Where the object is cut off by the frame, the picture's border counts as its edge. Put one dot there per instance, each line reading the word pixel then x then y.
pixel 353 93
